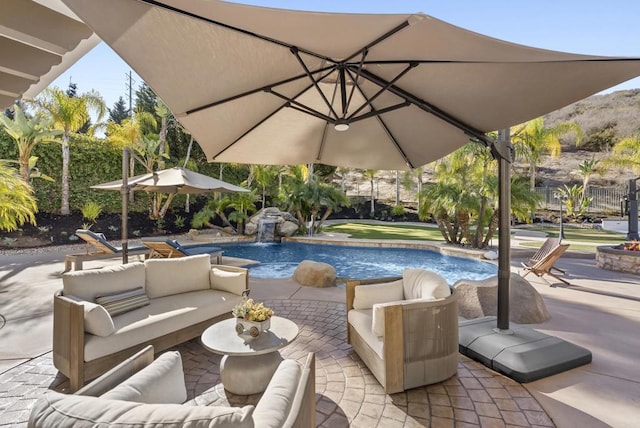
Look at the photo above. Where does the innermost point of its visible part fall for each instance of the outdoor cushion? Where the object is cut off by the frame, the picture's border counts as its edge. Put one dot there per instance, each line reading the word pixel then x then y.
pixel 124 301
pixel 97 320
pixel 421 283
pixel 360 320
pixel 377 323
pixel 88 284
pixel 163 315
pixel 275 404
pixel 233 282
pixel 368 295
pixel 160 382
pixel 165 277
pixel 60 410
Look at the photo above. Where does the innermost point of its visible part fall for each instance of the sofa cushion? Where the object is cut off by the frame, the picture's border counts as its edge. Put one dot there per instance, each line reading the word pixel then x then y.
pixel 97 320
pixel 60 410
pixel 123 301
pixel 360 320
pixel 160 382
pixel 420 283
pixel 274 406
pixel 233 282
pixel 87 284
pixel 162 316
pixel 368 295
pixel 165 277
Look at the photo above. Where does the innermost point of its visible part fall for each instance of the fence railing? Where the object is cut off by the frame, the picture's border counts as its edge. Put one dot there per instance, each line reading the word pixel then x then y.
pixel 604 198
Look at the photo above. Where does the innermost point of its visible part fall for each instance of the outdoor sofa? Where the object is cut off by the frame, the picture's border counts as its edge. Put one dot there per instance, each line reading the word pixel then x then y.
pixel 404 329
pixel 143 392
pixel 103 316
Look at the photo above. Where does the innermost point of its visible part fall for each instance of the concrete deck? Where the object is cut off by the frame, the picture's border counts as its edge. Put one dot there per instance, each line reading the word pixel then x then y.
pixel 600 311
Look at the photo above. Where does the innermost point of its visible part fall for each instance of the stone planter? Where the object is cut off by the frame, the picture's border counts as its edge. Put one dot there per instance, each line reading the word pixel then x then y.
pixel 618 260
pixel 252 328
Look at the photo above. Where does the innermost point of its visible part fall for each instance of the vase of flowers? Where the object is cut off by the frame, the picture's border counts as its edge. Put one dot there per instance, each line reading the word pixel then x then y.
pixel 252 318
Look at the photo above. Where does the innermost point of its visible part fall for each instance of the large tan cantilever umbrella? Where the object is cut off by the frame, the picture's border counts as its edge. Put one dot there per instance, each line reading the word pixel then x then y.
pixel 268 86
pixel 171 180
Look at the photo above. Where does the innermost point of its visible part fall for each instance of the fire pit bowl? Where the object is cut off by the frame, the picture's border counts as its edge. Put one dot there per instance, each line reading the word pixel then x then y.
pixel 619 258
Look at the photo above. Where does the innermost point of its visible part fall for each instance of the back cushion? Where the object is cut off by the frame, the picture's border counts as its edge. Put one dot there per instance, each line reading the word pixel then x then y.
pixel 274 406
pixel 368 295
pixel 87 284
pixel 423 284
pixel 165 277
pixel 59 410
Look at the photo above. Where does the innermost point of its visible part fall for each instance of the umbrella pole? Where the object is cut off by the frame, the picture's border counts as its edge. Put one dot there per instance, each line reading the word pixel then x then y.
pixel 504 228
pixel 124 190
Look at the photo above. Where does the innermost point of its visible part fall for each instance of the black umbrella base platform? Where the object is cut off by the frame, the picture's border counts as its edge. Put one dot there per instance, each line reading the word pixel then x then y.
pixel 522 354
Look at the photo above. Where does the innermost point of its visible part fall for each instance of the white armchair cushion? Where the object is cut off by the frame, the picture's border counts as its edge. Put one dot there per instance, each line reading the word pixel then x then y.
pixel 377 321
pixel 368 295
pixel 420 283
pixel 161 382
pixel 60 410
pixel 97 320
pixel 274 406
pixel 233 282
pixel 165 277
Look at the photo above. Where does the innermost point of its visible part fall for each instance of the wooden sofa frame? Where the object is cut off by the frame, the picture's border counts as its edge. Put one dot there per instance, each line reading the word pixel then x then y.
pixel 69 331
pixel 390 370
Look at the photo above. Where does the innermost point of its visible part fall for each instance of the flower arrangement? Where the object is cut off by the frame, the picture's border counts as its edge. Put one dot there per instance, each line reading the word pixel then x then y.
pixel 251 311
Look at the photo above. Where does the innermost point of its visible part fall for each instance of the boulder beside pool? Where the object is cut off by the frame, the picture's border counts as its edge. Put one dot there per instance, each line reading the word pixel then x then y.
pixel 479 298
pixel 315 274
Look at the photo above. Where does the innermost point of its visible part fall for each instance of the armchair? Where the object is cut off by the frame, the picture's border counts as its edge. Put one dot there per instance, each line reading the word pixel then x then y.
pixel 405 330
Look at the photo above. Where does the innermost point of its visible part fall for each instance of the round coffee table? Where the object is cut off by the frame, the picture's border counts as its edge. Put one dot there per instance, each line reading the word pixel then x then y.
pixel 248 363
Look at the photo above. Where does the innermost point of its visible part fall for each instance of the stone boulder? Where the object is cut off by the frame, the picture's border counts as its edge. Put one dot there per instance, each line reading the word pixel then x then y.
pixel 315 274
pixel 288 228
pixel 283 223
pixel 480 298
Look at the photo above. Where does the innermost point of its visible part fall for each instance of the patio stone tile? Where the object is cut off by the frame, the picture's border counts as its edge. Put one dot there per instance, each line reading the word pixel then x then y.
pixel 418 410
pixel 390 423
pixel 515 418
pixel 466 416
pixel 538 418
pixel 471 383
pixel 455 390
pixel 486 422
pixel 487 409
pixel 417 396
pixel 517 390
pixel 442 411
pixel 350 408
pixel 506 404
pixel 462 403
pixel 371 410
pixel 398 413
pixel 336 421
pixel 498 393
pixel 438 422
pixel 528 403
pixel 480 396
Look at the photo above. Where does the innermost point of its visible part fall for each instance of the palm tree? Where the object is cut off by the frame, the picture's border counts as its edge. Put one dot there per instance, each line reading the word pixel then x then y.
pixel 625 154
pixel 242 203
pixel 532 139
pixel 69 114
pixel 263 176
pixel 370 174
pixel 28 132
pixel 587 168
pixel 17 203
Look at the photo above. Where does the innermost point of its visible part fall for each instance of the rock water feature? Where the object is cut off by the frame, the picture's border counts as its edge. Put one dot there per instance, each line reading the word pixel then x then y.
pixel 270 225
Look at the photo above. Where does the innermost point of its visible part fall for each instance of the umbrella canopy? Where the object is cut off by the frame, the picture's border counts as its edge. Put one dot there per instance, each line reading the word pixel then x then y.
pixel 174 180
pixel 39 40
pixel 268 86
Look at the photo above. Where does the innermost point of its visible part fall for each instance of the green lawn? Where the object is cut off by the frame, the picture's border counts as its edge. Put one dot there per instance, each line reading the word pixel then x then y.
pixel 575 236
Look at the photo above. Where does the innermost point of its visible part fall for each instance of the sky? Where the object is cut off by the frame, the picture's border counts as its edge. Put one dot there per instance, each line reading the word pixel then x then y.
pixel 596 27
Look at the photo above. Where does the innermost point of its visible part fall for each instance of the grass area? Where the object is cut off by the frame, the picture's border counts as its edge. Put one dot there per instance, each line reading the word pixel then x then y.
pixel 575 236
pixel 378 231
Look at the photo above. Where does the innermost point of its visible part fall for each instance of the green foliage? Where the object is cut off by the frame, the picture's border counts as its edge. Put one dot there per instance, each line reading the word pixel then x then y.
pixel 398 211
pixel 17 204
pixel 575 202
pixel 602 138
pixel 119 112
pixel 91 210
pixel 179 221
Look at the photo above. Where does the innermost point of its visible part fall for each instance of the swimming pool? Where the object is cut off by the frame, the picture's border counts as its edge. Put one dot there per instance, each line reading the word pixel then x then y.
pixel 280 260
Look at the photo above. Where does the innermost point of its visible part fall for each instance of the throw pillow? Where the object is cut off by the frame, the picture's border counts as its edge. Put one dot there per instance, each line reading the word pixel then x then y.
pixel 233 282
pixel 87 284
pixel 166 277
pixel 125 301
pixel 61 410
pixel 160 382
pixel 421 283
pixel 368 295
pixel 274 407
pixel 97 320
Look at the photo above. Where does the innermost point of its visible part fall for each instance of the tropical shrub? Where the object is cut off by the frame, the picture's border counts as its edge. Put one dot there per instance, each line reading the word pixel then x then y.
pixel 17 204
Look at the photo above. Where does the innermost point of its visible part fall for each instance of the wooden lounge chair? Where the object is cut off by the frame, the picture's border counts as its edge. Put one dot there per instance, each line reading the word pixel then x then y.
pixel 97 247
pixel 169 248
pixel 546 264
pixel 545 249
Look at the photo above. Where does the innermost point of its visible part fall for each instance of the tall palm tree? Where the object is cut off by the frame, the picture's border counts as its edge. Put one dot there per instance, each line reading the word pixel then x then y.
pixel 28 132
pixel 625 154
pixel 69 114
pixel 17 203
pixel 587 168
pixel 532 139
pixel 370 174
pixel 243 204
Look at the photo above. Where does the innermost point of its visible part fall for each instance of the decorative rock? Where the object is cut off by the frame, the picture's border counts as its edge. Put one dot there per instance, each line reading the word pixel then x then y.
pixel 285 223
pixel 480 298
pixel 288 228
pixel 315 274
pixel 491 255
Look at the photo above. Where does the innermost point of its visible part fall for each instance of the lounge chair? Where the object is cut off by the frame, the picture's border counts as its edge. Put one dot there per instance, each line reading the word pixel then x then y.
pixel 170 248
pixel 546 264
pixel 547 247
pixel 97 247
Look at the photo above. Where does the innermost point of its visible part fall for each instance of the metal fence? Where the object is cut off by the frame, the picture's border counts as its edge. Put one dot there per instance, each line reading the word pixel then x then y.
pixel 605 199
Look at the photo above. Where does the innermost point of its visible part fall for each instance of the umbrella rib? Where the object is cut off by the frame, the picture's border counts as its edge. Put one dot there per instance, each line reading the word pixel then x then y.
pixel 355 81
pixel 231 27
pixel 427 107
pixel 296 53
pixel 261 89
pixel 380 39
pixel 381 91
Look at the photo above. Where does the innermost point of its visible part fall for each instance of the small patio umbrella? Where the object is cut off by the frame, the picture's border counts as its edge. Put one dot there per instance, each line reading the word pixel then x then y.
pixel 269 86
pixel 171 180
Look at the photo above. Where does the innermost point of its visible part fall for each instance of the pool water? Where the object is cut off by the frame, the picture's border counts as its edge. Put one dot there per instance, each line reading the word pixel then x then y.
pixel 280 260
